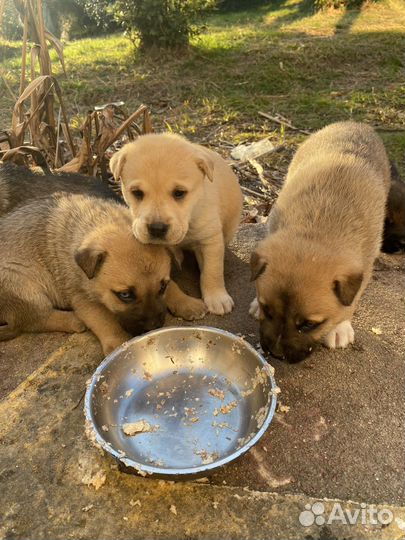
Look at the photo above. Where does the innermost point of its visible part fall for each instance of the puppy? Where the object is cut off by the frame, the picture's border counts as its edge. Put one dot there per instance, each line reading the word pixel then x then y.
pixel 70 262
pixel 394 225
pixel 19 185
pixel 184 195
pixel 324 234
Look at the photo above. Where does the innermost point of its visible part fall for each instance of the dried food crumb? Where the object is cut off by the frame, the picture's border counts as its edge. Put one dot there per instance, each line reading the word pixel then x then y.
pixel 216 392
pixel 376 331
pixel 141 426
pixel 283 408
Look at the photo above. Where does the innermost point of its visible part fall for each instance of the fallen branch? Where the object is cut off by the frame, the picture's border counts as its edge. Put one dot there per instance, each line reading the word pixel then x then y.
pixel 283 122
pixel 255 193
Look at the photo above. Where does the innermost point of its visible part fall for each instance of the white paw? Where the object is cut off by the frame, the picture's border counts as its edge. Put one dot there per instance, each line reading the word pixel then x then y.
pixel 340 336
pixel 219 302
pixel 254 309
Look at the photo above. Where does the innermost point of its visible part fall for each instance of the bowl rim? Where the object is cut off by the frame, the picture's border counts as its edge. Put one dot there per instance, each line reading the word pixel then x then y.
pixel 187 471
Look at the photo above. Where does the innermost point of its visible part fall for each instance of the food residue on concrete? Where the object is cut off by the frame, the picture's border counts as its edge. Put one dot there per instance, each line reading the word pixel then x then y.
pixel 376 331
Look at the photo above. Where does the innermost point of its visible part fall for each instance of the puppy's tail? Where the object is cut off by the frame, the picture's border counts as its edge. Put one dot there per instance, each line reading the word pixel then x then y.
pixel 6 332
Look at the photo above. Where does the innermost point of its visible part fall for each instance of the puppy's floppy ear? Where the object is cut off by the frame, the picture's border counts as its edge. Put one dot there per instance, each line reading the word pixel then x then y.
pixel 347 287
pixel 117 163
pixel 257 265
pixel 205 163
pixel 90 260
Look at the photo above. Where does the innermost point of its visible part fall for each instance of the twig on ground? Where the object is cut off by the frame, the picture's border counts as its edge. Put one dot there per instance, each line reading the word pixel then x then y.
pixel 255 193
pixel 283 122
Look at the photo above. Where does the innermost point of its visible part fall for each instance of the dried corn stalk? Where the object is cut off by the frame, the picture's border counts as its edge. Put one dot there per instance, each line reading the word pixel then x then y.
pixel 35 133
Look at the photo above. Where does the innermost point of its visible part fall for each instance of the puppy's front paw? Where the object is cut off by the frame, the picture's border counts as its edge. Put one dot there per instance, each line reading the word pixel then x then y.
pixel 190 309
pixel 110 343
pixel 78 326
pixel 254 309
pixel 340 336
pixel 219 302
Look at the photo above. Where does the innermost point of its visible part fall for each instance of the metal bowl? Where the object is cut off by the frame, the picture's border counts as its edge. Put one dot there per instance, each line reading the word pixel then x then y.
pixel 196 398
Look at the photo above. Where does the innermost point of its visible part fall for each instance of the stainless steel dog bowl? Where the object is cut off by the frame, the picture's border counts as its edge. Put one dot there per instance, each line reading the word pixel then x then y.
pixel 196 398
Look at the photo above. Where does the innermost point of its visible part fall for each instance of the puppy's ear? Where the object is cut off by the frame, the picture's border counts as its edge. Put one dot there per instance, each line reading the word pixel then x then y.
pixel 205 163
pixel 117 163
pixel 347 287
pixel 90 260
pixel 257 265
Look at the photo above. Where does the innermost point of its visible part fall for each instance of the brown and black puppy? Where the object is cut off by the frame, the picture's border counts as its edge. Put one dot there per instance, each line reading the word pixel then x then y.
pixel 69 262
pixel 394 225
pixel 20 185
pixel 325 232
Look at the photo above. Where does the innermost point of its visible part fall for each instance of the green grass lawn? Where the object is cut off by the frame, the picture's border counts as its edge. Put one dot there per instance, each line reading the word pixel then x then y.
pixel 281 59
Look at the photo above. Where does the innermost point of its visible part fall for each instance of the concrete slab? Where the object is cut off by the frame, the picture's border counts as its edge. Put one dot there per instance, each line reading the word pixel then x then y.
pixel 55 484
pixel 341 439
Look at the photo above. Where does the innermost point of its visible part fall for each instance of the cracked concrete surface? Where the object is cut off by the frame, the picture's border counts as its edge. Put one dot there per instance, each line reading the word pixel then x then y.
pixel 339 437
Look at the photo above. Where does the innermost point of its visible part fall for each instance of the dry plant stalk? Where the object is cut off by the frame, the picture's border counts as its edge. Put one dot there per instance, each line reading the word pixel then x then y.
pixel 35 133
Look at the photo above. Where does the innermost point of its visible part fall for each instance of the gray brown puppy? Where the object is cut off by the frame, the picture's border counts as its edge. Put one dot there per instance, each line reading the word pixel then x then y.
pixel 184 195
pixel 394 226
pixel 19 185
pixel 324 234
pixel 71 261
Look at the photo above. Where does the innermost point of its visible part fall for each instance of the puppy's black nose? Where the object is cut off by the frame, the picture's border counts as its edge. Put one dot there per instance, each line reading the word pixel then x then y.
pixel 158 229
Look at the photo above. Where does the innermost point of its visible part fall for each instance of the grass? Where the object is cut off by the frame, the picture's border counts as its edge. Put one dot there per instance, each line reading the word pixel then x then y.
pixel 314 68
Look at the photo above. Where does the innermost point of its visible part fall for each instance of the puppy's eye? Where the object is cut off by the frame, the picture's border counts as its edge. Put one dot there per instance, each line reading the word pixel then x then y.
pixel 163 286
pixel 126 296
pixel 267 312
pixel 138 194
pixel 307 325
pixel 179 194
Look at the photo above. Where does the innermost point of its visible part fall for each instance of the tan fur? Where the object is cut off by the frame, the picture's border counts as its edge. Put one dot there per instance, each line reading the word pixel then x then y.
pixel 205 220
pixel 325 233
pixel 74 252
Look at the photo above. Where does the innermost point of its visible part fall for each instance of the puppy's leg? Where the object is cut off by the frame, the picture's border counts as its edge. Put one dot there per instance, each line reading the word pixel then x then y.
pixel 181 305
pixel 340 336
pixel 254 308
pixel 62 321
pixel 101 322
pixel 6 332
pixel 210 257
pixel 25 307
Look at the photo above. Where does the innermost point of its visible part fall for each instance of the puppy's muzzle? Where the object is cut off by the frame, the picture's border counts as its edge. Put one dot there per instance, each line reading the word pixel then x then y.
pixel 158 230
pixel 136 326
pixel 283 351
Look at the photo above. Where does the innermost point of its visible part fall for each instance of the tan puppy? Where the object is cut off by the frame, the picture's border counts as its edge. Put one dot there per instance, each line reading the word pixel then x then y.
pixel 73 252
pixel 181 194
pixel 325 232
